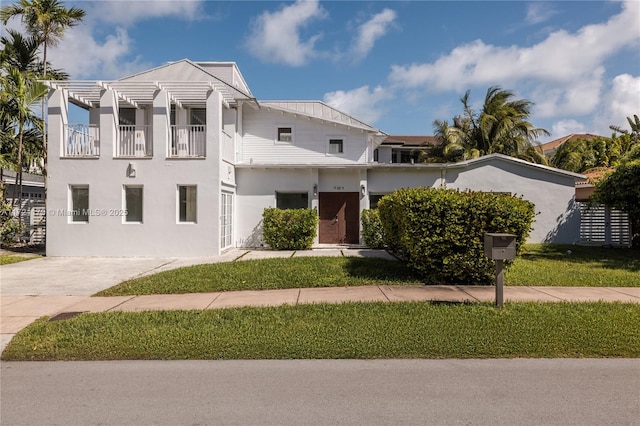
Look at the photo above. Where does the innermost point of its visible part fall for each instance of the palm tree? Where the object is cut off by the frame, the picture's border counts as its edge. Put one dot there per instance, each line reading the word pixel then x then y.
pixel 47 21
pixel 502 126
pixel 634 125
pixel 20 93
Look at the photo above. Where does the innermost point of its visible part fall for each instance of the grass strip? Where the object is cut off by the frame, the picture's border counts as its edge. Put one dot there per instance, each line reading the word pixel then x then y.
pixel 265 274
pixel 568 265
pixel 7 259
pixel 350 330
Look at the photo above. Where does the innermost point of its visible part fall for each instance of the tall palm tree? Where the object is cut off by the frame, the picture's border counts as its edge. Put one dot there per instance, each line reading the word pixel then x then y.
pixel 19 95
pixel 502 126
pixel 47 21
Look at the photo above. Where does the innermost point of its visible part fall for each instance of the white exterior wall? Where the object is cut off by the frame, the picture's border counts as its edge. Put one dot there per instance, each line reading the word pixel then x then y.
pixel 160 234
pixel 256 191
pixel 310 140
pixel 557 217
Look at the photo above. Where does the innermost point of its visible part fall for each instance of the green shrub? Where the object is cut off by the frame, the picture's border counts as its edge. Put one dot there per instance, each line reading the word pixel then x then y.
pixel 290 229
pixel 440 232
pixel 372 232
pixel 10 227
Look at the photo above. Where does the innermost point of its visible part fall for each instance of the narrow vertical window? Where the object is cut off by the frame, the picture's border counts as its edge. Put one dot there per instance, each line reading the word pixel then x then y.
pixel 133 203
pixel 79 203
pixel 187 203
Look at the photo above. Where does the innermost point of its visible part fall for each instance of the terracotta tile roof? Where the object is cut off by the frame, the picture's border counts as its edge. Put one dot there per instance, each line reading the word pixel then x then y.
pixel 410 140
pixel 594 175
pixel 554 144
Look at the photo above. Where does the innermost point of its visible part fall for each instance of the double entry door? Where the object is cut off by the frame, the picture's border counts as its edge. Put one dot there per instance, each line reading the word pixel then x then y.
pixel 339 217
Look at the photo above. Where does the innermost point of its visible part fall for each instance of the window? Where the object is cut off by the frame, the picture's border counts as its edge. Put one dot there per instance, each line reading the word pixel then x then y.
pixel 285 134
pixel 336 146
pixel 374 199
pixel 187 203
pixel 292 200
pixel 376 155
pixel 79 203
pixel 198 116
pixel 127 116
pixel 133 203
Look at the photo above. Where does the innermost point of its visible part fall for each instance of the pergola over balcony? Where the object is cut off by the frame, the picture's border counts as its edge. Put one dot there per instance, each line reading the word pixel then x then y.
pixel 135 139
pixel 86 93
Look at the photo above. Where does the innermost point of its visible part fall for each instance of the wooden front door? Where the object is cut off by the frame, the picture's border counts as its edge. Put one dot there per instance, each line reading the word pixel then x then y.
pixel 339 217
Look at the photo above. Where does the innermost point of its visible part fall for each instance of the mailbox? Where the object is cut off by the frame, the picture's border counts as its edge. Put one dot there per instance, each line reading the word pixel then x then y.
pixel 500 246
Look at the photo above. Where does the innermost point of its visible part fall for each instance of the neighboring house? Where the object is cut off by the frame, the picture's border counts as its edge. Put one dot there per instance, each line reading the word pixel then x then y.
pixel 550 148
pixel 181 160
pixel 403 148
pixel 32 209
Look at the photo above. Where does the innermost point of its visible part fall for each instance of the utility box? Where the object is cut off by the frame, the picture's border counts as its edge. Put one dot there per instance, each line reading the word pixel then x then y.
pixel 500 246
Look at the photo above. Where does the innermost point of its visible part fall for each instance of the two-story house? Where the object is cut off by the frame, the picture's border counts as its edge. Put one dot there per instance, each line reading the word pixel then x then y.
pixel 181 160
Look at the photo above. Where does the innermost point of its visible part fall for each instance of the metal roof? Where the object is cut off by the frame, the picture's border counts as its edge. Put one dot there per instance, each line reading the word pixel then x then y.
pixel 318 110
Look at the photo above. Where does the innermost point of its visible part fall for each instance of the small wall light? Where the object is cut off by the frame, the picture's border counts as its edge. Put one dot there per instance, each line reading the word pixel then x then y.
pixel 363 190
pixel 131 172
pixel 315 190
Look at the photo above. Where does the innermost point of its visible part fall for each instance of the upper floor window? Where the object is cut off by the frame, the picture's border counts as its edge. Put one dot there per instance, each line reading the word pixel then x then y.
pixel 336 146
pixel 376 155
pixel 284 134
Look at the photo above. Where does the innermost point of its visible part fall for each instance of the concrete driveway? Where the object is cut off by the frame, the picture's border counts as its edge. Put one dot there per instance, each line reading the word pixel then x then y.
pixel 84 276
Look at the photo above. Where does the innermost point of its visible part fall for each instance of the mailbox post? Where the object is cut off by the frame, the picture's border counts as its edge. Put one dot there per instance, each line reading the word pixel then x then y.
pixel 500 247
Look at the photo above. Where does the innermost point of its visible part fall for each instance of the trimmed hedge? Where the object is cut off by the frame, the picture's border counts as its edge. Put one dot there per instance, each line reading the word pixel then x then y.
pixel 440 232
pixel 289 229
pixel 372 231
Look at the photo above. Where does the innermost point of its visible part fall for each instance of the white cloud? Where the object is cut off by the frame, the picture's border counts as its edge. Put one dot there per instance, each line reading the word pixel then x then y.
pixel 126 13
pixel 539 12
pixel 83 55
pixel 565 70
pixel 621 101
pixel 275 37
pixel 566 127
pixel 371 31
pixel 362 103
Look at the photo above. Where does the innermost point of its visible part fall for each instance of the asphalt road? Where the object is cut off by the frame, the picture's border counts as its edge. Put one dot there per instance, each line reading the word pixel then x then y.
pixel 317 392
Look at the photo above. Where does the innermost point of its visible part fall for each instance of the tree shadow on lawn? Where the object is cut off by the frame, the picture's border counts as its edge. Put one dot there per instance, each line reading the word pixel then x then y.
pixel 609 258
pixel 381 270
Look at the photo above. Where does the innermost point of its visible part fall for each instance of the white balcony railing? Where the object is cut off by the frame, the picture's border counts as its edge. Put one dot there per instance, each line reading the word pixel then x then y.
pixel 134 141
pixel 188 141
pixel 82 141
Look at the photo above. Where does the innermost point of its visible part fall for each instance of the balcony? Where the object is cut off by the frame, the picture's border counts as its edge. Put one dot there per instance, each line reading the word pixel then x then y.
pixel 82 141
pixel 188 141
pixel 134 141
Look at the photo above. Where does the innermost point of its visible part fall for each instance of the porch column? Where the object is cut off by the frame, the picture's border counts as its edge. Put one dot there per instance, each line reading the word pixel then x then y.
pixel 58 121
pixel 364 200
pixel 160 123
pixel 214 157
pixel 315 203
pixel 109 122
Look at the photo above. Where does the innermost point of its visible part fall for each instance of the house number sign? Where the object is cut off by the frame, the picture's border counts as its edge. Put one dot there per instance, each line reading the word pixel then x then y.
pixel 338 188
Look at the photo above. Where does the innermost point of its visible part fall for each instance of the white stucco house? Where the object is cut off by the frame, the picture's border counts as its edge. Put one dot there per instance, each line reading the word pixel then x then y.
pixel 181 160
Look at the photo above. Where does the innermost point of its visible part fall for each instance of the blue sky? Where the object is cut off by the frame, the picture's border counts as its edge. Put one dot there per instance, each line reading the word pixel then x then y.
pixel 397 65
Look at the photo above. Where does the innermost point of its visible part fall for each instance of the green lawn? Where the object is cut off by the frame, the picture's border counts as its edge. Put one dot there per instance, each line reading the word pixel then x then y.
pixel 6 259
pixel 265 274
pixel 553 265
pixel 351 330
pixel 541 264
